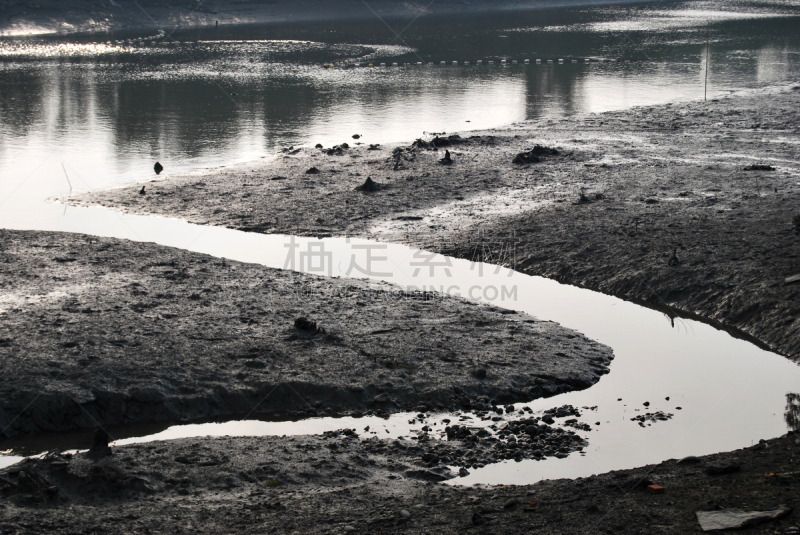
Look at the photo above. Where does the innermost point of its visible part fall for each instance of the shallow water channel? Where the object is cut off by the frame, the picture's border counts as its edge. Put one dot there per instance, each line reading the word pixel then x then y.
pixel 730 392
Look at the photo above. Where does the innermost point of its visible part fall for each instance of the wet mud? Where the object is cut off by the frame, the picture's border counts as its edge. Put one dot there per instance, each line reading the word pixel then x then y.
pixel 99 331
pixel 340 483
pixel 675 206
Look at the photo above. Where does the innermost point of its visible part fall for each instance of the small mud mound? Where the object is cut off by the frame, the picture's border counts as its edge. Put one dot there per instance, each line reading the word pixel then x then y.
pixel 533 155
pixel 368 186
pixel 307 326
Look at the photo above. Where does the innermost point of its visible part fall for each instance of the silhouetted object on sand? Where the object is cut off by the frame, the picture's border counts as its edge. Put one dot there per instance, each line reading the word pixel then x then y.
pixel 356 136
pixel 368 186
pixel 158 168
pixel 100 446
pixel 313 171
pixel 141 191
pixel 447 160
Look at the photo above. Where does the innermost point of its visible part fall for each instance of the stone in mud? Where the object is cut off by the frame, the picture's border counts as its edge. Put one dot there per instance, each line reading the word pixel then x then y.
pixel 158 168
pixel 313 171
pixel 447 160
pixel 524 158
pixel 356 136
pixel 736 518
pixel 368 186
pixel 381 398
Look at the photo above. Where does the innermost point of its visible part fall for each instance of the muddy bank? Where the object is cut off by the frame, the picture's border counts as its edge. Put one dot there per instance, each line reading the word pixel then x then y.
pixel 341 483
pixel 108 331
pixel 687 206
pixel 70 16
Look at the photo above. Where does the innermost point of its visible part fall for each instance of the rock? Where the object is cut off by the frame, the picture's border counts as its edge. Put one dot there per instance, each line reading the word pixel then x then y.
pixel 158 168
pixel 513 502
pixel 737 518
pixel 318 146
pixel 381 398
pixel 141 191
pixel 313 171
pixel 447 160
pixel 691 459
pixel 356 136
pixel 405 515
pixel 349 528
pixel 722 468
pixel 463 472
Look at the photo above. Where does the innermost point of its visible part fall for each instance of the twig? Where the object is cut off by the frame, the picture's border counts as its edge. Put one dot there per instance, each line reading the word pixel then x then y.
pixel 66 175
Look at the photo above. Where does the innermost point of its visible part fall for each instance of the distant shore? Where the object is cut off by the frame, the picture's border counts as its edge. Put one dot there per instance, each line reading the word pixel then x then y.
pixel 84 16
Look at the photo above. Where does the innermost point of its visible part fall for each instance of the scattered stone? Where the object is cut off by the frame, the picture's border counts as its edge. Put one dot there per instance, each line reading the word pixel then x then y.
pixel 405 515
pixel 158 168
pixel 356 136
pixel 141 191
pixel 313 171
pixel 381 398
pixel 447 160
pixel 653 417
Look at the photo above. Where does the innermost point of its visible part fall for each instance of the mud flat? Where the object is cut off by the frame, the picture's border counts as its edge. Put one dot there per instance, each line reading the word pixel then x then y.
pixel 339 483
pixel 106 331
pixel 685 207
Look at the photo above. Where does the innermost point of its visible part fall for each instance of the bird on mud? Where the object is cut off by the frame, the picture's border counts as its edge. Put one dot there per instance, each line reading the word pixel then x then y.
pixel 447 160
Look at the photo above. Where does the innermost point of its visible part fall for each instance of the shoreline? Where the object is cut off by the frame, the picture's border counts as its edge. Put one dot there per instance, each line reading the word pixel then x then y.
pixel 335 483
pixel 66 17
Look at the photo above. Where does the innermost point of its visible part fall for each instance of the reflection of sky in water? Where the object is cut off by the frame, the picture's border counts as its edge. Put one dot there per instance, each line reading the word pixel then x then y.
pixel 731 393
pixel 108 111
